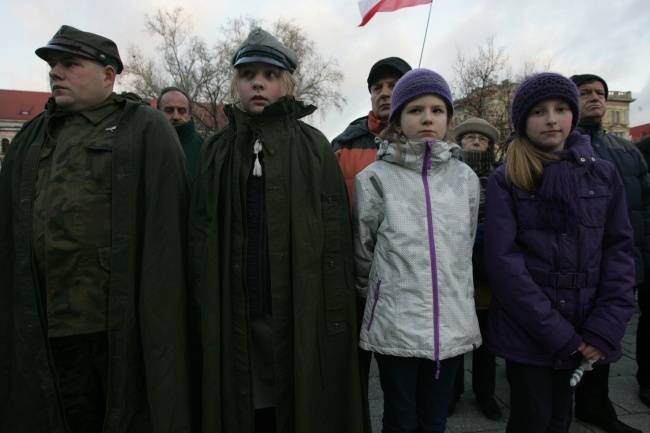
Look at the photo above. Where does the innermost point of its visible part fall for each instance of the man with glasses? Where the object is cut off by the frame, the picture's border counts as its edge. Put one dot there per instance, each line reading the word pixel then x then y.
pixel 592 403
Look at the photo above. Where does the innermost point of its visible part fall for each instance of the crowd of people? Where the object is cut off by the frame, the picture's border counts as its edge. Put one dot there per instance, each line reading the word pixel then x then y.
pixel 156 281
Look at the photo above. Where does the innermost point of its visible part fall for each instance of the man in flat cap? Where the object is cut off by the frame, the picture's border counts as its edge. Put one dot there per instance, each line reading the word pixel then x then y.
pixel 356 148
pixel 92 319
pixel 592 403
pixel 176 105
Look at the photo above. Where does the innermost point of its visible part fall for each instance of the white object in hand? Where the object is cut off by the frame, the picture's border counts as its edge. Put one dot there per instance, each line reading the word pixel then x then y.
pixel 585 365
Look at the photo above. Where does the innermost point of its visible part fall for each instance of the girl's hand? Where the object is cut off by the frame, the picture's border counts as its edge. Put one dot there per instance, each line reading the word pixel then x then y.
pixel 591 352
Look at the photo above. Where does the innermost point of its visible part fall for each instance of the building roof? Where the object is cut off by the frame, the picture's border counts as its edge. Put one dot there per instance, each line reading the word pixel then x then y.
pixel 21 105
pixel 638 133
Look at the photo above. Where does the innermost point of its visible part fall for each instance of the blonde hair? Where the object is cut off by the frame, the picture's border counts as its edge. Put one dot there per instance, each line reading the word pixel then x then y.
pixel 525 164
pixel 287 81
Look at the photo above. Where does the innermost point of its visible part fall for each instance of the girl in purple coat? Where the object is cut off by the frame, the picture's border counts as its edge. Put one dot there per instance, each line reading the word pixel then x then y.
pixel 559 252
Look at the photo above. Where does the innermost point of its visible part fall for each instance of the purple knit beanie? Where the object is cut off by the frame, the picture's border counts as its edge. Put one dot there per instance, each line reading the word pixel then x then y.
pixel 537 88
pixel 416 83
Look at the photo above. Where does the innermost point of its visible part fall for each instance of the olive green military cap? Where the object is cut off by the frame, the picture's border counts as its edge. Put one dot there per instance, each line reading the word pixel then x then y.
pixel 84 44
pixel 261 46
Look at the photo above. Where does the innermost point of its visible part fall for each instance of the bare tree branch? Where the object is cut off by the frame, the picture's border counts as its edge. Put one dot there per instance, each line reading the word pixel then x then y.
pixel 484 85
pixel 186 61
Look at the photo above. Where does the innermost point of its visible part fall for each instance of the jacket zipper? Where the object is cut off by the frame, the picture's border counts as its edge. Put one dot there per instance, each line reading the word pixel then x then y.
pixel 426 164
pixel 374 304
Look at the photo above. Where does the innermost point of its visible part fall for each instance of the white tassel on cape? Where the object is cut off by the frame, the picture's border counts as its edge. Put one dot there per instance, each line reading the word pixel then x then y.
pixel 257 169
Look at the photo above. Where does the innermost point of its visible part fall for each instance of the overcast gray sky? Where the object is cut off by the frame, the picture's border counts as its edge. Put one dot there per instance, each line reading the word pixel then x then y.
pixel 605 37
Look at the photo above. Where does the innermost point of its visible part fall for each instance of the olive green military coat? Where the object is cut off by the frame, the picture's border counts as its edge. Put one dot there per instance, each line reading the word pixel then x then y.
pixel 148 389
pixel 318 386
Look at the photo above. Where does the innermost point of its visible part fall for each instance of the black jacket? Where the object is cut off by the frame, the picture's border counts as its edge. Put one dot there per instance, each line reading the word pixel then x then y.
pixel 633 171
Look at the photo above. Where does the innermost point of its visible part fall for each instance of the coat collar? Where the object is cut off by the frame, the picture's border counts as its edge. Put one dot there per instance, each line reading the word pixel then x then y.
pixel 186 131
pixel 578 147
pixel 410 153
pixel 285 106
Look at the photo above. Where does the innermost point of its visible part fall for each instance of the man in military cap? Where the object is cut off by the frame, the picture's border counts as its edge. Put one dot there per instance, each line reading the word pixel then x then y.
pixel 92 318
pixel 176 105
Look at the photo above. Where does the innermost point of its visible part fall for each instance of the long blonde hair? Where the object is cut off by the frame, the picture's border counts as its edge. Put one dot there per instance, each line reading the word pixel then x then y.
pixel 525 164
pixel 287 80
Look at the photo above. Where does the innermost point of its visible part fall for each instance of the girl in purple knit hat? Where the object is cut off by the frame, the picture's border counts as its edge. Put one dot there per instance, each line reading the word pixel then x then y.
pixel 559 253
pixel 415 214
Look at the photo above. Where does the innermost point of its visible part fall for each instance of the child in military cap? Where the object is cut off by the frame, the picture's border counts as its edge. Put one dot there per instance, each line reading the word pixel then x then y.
pixel 271 249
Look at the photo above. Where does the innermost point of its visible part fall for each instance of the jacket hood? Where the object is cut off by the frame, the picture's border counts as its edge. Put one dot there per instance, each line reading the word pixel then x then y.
pixel 410 153
pixel 356 129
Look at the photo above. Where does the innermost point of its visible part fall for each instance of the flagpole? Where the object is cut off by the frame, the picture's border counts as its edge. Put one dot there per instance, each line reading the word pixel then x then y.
pixel 425 34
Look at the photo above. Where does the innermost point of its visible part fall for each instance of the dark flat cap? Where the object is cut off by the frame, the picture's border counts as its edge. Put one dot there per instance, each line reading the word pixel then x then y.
pixel 84 44
pixel 589 78
pixel 393 66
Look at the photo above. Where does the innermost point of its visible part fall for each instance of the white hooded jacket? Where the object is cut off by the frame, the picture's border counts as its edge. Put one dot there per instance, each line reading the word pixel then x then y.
pixel 414 219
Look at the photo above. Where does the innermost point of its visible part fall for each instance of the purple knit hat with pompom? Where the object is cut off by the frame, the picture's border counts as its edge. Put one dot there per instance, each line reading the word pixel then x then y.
pixel 416 83
pixel 537 88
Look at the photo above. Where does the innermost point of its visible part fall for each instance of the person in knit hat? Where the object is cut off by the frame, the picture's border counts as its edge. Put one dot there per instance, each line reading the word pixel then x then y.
pixel 592 402
pixel 415 213
pixel 477 139
pixel 271 258
pixel 559 254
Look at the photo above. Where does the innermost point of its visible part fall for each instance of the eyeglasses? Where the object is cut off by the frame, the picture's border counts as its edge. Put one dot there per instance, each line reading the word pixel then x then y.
pixel 471 138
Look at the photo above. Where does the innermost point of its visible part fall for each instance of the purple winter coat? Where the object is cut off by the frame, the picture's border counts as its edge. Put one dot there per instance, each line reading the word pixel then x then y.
pixel 554 290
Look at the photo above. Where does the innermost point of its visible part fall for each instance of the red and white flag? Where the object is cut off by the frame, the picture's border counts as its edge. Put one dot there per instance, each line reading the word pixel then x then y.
pixel 369 8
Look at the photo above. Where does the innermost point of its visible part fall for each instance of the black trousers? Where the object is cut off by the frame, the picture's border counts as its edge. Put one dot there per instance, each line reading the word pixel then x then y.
pixel 592 396
pixel 265 420
pixel 414 400
pixel 643 335
pixel 483 367
pixel 81 365
pixel 540 399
